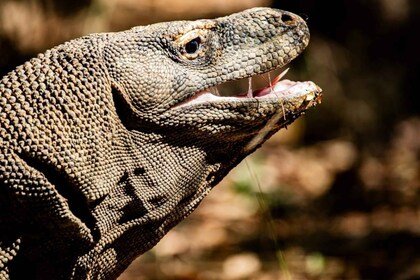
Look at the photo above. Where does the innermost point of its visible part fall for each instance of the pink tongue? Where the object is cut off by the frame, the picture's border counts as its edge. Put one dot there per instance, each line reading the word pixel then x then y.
pixel 278 88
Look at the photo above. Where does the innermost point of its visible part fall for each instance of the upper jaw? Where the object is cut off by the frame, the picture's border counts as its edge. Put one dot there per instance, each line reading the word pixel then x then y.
pixel 286 35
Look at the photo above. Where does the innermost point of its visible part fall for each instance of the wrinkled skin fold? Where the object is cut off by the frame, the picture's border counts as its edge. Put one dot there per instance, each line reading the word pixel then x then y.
pixel 110 140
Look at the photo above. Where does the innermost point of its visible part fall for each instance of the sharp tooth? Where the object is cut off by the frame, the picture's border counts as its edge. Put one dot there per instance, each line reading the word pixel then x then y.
pixel 269 82
pixel 249 94
pixel 282 74
pixel 278 78
pixel 216 91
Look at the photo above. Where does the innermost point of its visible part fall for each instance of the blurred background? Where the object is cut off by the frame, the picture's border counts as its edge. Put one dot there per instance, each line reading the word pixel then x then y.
pixel 337 194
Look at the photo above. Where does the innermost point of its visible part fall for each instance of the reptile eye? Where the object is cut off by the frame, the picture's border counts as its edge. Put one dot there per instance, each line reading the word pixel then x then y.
pixel 193 45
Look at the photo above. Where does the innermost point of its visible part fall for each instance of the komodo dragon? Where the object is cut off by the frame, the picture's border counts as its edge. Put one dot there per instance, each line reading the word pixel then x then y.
pixel 109 140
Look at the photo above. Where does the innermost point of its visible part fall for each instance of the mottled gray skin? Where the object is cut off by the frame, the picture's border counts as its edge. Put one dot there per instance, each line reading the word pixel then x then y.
pixel 97 161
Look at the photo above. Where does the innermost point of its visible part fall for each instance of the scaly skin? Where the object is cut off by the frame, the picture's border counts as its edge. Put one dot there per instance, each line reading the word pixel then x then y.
pixel 107 141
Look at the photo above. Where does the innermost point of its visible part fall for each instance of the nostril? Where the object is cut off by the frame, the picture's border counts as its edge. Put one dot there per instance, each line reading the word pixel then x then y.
pixel 305 17
pixel 288 19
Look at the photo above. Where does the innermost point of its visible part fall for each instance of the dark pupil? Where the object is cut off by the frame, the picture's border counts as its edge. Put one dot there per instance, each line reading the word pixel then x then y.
pixel 192 46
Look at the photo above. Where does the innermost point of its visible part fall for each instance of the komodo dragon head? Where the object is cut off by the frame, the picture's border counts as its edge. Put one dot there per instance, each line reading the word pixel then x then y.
pixel 133 137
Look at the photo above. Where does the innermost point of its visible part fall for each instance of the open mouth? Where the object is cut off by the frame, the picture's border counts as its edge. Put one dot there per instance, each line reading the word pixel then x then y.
pixel 276 89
